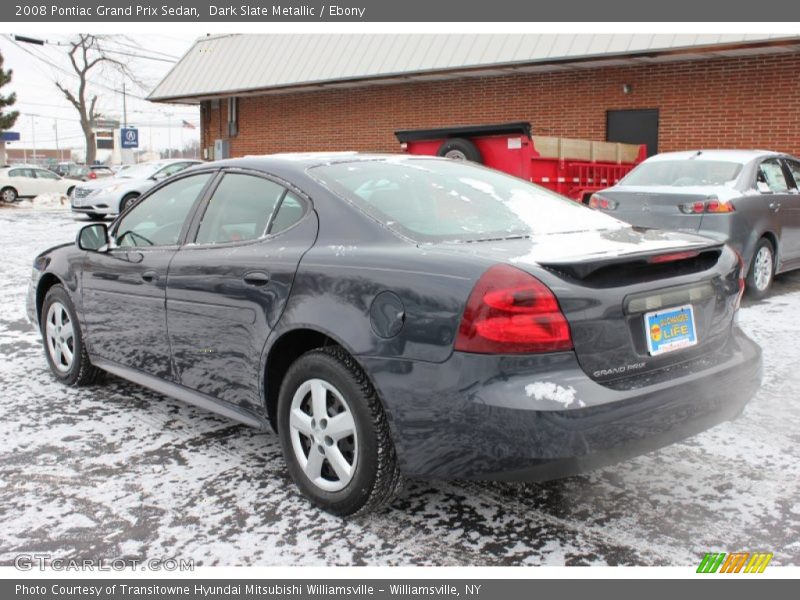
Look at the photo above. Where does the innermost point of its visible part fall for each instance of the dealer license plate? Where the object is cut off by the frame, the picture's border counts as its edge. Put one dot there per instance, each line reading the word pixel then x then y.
pixel 670 329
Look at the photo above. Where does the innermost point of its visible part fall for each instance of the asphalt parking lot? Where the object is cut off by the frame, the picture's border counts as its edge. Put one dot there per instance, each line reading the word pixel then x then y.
pixel 117 471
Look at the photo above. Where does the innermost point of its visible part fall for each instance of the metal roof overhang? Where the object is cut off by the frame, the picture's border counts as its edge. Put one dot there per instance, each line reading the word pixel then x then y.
pixel 779 46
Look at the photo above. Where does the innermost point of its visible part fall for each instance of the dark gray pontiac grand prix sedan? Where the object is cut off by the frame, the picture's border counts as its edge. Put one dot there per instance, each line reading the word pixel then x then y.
pixel 403 315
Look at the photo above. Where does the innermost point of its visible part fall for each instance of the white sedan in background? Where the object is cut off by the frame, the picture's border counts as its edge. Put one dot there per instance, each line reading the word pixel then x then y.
pixel 100 198
pixel 27 181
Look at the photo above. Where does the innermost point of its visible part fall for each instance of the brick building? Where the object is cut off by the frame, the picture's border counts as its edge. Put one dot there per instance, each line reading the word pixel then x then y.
pixel 276 93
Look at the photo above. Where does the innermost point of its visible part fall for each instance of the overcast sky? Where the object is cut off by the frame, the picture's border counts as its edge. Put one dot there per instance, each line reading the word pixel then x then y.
pixel 42 105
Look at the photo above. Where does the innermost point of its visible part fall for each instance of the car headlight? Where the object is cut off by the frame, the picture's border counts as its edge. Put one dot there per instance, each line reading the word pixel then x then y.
pixel 107 190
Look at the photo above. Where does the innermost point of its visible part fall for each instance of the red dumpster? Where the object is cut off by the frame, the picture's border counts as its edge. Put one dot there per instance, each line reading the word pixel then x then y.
pixel 572 167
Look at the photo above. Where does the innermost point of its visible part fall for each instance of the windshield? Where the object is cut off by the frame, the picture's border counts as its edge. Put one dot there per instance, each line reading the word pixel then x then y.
pixel 440 200
pixel 142 171
pixel 682 173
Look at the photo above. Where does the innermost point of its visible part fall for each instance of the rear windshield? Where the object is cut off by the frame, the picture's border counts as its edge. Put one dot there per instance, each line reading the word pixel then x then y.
pixel 681 173
pixel 441 200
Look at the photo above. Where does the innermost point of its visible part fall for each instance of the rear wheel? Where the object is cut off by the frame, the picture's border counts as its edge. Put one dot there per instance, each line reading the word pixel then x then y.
pixel 460 149
pixel 8 194
pixel 63 341
pixel 762 269
pixel 334 434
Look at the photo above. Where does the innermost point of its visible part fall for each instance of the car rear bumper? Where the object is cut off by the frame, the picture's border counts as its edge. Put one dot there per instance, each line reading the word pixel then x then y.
pixel 538 418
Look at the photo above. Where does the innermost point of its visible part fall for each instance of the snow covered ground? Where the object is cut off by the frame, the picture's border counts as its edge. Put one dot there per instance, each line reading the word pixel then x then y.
pixel 116 471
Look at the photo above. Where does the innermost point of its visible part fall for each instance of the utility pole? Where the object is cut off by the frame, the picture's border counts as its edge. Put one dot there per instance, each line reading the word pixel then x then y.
pixel 33 137
pixel 169 135
pixel 58 150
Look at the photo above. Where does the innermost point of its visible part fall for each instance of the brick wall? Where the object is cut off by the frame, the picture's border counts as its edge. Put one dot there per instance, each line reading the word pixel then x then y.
pixel 751 102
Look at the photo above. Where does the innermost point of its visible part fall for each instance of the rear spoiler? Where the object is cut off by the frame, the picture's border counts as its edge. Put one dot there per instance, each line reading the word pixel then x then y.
pixel 418 135
pixel 701 256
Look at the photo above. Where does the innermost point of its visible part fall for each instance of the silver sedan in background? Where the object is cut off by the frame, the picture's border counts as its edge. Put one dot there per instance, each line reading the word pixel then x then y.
pixel 749 198
pixel 110 196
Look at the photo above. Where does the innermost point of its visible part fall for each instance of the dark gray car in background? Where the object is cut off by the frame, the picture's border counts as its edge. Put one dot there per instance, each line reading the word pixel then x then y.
pixel 748 198
pixel 403 315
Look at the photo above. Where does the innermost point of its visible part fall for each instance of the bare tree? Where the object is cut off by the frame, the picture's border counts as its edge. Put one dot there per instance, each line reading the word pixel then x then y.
pixel 88 57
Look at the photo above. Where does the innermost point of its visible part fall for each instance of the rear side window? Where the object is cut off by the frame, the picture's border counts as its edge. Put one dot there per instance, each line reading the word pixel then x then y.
pixel 771 173
pixel 289 213
pixel 682 173
pixel 239 210
pixel 20 173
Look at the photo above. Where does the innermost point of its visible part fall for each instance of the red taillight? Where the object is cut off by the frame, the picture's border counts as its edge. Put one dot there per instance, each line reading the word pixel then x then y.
pixel 712 205
pixel 671 257
pixel 92 175
pixel 598 202
pixel 511 312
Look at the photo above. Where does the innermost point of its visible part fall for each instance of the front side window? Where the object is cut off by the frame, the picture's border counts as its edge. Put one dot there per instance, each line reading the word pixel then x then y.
pixel 794 169
pixel 770 173
pixel 159 218
pixel 172 169
pixel 239 210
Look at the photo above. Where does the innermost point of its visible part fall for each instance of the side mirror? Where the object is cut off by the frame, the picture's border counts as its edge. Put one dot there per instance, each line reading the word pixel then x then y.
pixel 93 238
pixel 158 176
pixel 763 187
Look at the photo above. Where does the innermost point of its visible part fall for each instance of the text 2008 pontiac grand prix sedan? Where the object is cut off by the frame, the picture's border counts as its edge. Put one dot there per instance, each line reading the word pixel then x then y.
pixel 410 315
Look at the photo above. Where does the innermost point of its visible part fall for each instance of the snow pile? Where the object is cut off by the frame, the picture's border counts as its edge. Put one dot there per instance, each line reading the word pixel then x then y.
pixel 45 201
pixel 546 390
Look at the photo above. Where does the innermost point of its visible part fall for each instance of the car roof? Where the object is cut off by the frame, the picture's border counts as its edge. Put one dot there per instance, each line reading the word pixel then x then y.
pixel 739 156
pixel 300 161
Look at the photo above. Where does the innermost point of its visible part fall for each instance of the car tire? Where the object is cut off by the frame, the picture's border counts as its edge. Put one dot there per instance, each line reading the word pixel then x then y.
pixel 762 269
pixel 9 194
pixel 460 149
pixel 63 340
pixel 368 479
pixel 126 201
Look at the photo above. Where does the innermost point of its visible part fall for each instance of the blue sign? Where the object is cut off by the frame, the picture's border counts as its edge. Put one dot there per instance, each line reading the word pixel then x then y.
pixel 129 137
pixel 11 136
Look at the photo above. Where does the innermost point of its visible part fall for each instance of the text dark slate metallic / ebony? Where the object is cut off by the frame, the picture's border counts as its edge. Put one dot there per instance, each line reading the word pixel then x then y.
pixel 395 316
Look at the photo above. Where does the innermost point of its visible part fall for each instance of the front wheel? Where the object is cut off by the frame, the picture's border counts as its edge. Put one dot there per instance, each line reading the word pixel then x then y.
pixel 63 342
pixel 127 201
pixel 334 434
pixel 762 269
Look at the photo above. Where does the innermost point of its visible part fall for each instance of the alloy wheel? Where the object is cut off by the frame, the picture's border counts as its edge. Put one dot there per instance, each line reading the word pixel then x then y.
pixel 762 268
pixel 323 435
pixel 60 336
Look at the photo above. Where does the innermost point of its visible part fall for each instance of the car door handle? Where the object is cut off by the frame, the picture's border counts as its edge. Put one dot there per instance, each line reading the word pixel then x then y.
pixel 256 278
pixel 150 276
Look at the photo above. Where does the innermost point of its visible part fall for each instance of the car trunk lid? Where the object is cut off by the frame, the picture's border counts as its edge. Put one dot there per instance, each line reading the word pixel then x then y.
pixel 659 206
pixel 607 282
